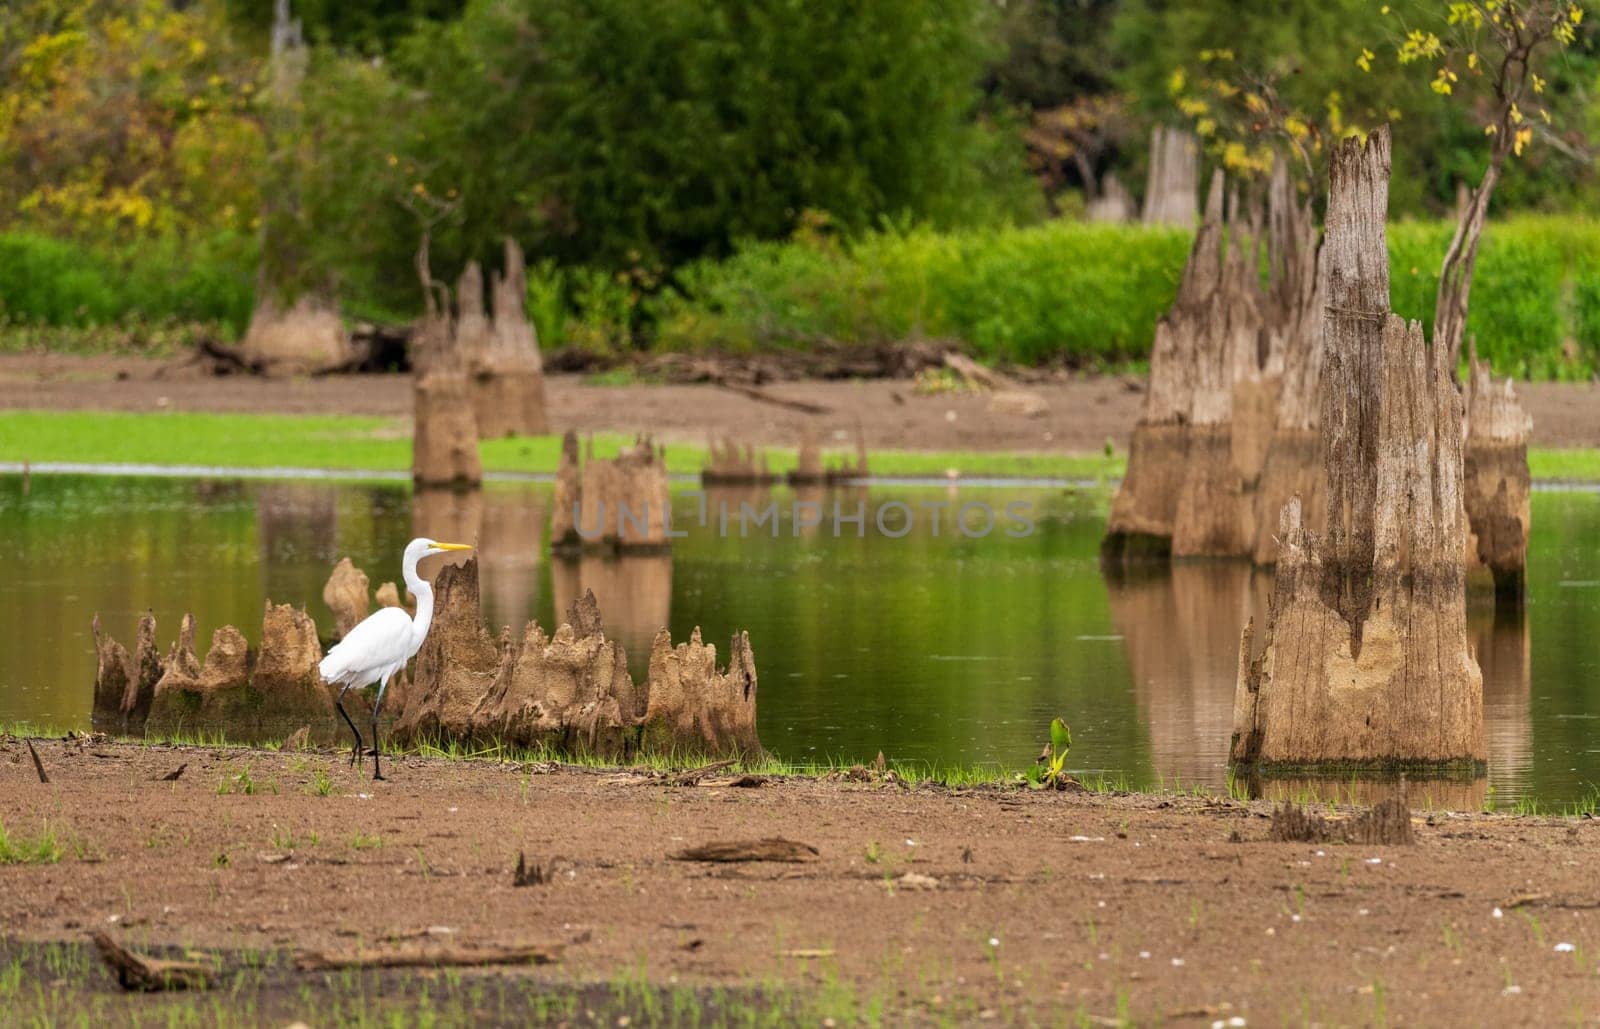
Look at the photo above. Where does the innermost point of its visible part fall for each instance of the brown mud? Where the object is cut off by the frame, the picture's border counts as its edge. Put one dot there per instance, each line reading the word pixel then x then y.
pixel 1083 412
pixel 939 904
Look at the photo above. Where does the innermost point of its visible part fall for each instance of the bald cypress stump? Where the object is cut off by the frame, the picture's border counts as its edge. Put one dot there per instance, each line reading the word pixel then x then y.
pixel 1366 661
pixel 1293 463
pixel 1497 481
pixel 1195 452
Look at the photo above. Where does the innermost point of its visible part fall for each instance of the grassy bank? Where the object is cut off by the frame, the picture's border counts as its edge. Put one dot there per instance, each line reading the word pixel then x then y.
pixel 369 444
pixel 384 445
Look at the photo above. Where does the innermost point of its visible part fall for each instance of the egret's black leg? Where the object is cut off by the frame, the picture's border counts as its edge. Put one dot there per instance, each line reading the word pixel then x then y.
pixel 377 705
pixel 355 752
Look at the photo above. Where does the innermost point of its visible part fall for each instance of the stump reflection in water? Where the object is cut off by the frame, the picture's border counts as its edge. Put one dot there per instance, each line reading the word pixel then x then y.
pixel 1180 630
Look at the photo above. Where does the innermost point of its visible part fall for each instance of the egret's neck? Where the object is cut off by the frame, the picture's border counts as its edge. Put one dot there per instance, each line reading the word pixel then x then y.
pixel 424 593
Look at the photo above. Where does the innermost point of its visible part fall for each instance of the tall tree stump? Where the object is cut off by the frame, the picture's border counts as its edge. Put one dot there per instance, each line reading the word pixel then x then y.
pixel 507 371
pixel 1365 659
pixel 1230 405
pixel 621 505
pixel 444 447
pixel 1293 463
pixel 1497 482
pixel 1188 470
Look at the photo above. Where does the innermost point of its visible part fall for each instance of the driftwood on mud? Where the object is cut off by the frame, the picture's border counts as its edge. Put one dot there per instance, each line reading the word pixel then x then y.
pixel 432 957
pixel 816 357
pixel 140 972
pixel 571 691
pixel 1365 658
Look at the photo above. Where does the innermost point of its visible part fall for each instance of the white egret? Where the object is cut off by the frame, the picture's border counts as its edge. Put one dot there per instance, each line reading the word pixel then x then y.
pixel 379 647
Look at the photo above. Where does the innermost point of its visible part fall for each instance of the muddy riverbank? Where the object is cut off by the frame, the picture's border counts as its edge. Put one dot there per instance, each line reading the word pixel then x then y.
pixel 1083 412
pixel 928 903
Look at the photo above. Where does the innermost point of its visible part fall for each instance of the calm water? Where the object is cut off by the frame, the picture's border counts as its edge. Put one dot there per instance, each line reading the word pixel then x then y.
pixel 939 648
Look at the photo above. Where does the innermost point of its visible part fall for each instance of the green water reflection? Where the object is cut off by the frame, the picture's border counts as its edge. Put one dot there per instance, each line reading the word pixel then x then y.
pixel 938 648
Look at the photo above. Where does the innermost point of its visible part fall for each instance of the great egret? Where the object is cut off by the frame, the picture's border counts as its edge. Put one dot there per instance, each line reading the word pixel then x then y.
pixel 379 647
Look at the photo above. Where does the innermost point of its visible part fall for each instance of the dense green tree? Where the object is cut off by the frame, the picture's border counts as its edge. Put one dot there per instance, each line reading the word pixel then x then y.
pixel 363 26
pixel 1310 56
pixel 610 134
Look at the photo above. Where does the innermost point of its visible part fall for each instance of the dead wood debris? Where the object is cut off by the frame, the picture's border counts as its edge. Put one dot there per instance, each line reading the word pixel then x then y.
pixel 538 875
pixel 417 957
pixel 773 848
pixel 139 972
pixel 1389 822
pixel 38 766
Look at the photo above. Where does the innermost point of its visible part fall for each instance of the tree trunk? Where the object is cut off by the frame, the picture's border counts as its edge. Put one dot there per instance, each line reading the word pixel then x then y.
pixel 1295 297
pixel 1365 659
pixel 1229 412
pixel 1174 181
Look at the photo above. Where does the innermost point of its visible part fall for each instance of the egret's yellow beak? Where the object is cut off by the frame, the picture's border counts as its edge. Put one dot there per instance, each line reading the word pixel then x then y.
pixel 452 546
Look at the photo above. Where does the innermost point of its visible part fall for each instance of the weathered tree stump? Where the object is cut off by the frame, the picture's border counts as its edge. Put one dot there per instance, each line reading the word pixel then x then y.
pixel 507 372
pixel 1229 421
pixel 620 505
pixel 124 686
pixel 345 593
pixel 808 470
pixel 245 694
pixel 445 431
pixel 1366 661
pixel 571 691
pixel 565 502
pixel 456 666
pixel 692 703
pixel 1173 186
pixel 1497 483
pixel 306 339
pixel 1293 462
pixel 1184 493
pixel 735 464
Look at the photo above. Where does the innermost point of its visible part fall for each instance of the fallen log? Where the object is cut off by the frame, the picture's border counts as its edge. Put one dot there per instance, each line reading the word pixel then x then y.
pixel 414 957
pixel 139 972
pixel 773 848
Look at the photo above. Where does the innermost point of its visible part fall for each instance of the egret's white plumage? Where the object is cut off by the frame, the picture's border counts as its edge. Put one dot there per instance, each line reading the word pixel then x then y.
pixel 379 647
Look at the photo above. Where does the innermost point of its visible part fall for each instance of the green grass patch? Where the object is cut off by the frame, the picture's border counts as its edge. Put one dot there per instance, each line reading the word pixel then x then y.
pixel 371 444
pixel 44 849
pixel 356 443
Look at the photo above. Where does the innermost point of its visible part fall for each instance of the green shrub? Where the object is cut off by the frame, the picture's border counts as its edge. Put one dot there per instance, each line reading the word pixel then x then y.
pixel 52 282
pixel 1018 295
pixel 1090 295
